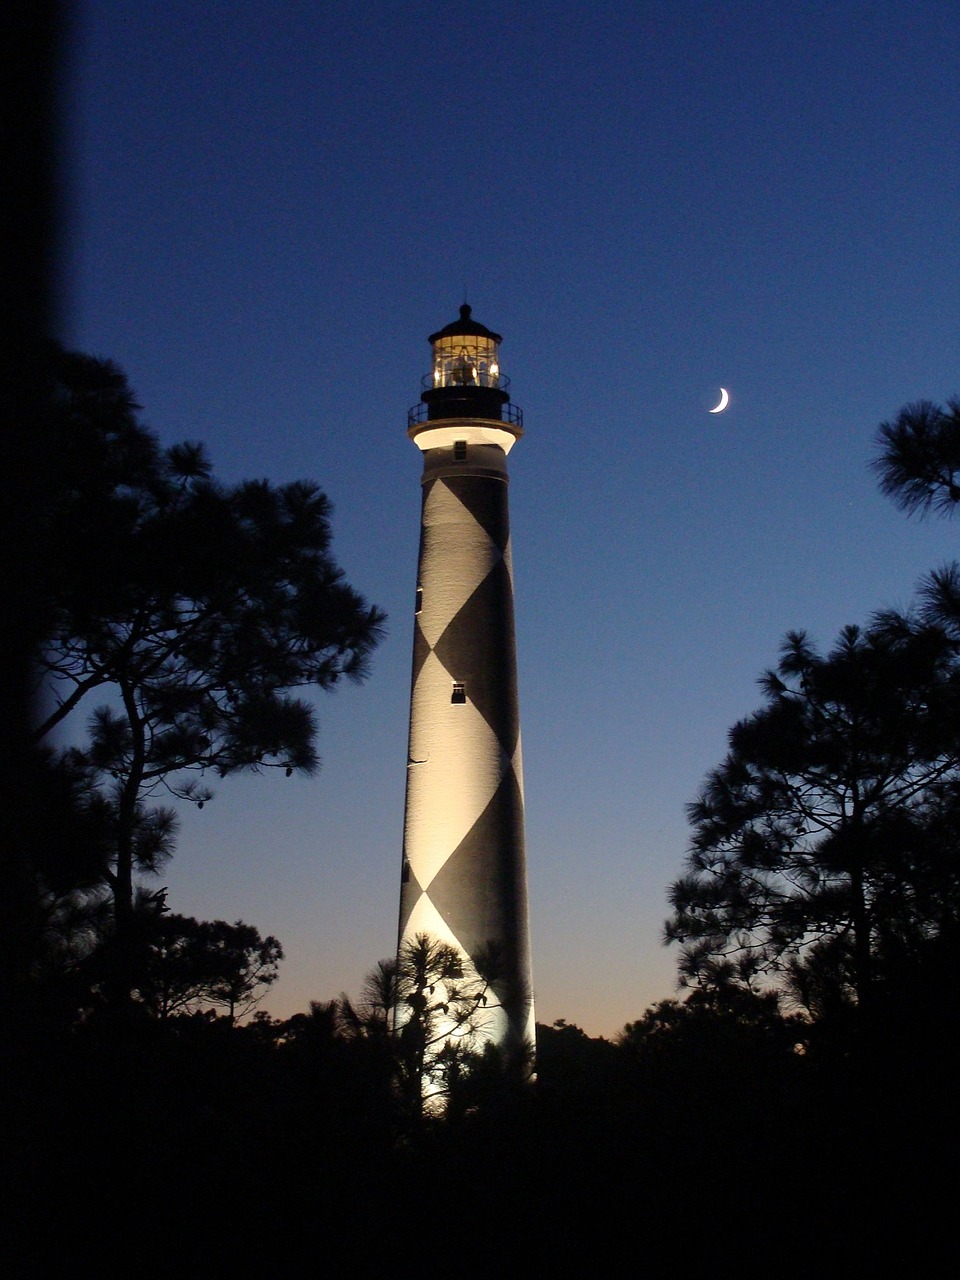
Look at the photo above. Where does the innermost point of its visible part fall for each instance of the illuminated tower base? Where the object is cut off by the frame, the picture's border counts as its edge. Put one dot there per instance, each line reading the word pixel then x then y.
pixel 464 873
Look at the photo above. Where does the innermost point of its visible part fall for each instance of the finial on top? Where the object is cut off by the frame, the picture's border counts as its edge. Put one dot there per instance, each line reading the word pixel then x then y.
pixel 463 325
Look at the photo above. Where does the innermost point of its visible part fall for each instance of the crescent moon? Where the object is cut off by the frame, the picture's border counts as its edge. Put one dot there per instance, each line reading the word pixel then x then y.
pixel 724 401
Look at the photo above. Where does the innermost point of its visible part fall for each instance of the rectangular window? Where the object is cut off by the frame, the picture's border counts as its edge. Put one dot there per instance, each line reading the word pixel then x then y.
pixel 419 604
pixel 459 691
pixel 459 450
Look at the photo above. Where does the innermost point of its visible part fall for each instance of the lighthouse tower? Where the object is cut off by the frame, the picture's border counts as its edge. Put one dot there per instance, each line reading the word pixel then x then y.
pixel 464 873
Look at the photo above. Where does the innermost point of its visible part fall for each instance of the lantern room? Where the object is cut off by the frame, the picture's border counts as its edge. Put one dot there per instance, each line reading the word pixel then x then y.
pixel 465 380
pixel 467 358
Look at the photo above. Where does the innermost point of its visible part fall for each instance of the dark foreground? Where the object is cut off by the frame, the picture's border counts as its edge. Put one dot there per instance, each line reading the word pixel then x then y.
pixel 187 1148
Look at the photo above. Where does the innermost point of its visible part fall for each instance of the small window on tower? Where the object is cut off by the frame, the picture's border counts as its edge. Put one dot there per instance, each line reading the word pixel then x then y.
pixel 459 450
pixel 419 604
pixel 459 691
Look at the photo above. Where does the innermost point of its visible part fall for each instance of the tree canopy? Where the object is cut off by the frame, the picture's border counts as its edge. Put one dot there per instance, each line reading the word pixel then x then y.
pixel 814 845
pixel 187 966
pixel 919 459
pixel 426 1011
pixel 823 857
pixel 183 617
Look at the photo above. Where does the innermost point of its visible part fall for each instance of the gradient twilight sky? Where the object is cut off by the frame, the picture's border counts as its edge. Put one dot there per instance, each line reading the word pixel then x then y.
pixel 270 206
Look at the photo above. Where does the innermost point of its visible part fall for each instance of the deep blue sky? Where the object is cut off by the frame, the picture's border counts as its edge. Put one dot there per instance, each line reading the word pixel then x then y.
pixel 270 205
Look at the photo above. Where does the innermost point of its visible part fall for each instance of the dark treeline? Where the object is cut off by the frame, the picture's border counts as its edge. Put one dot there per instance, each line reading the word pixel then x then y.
pixel 795 1110
pixel 702 1134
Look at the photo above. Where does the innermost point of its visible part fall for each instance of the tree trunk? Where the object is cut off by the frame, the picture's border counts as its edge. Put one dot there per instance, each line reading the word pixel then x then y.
pixel 122 881
pixel 862 950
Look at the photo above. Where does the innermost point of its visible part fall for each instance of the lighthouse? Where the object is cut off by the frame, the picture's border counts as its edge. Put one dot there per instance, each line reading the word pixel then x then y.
pixel 464 872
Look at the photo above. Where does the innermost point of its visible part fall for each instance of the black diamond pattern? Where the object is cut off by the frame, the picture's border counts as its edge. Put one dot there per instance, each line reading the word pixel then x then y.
pixel 486 500
pixel 421 651
pixel 476 888
pixel 471 647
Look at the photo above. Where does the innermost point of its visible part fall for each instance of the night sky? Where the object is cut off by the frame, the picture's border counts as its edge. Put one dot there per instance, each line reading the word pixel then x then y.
pixel 268 208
